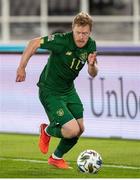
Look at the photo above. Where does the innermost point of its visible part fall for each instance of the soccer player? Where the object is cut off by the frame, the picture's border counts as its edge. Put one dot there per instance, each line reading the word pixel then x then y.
pixel 69 52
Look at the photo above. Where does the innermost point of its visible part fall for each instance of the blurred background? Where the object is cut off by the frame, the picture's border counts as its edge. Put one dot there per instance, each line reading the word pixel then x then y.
pixel 21 20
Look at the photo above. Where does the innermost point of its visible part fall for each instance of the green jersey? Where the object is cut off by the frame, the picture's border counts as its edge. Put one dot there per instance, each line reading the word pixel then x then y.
pixel 64 63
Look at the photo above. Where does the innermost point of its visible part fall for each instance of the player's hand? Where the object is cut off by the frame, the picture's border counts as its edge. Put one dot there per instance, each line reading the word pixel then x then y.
pixel 92 59
pixel 21 74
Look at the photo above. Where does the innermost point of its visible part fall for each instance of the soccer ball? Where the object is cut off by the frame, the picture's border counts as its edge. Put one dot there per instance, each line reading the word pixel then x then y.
pixel 89 161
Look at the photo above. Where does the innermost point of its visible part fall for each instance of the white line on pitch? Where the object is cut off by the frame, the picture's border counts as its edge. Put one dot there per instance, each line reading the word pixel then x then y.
pixel 24 160
pixel 45 162
pixel 28 160
pixel 121 166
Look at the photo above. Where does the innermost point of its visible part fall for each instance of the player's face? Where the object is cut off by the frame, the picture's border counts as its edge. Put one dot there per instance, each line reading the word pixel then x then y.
pixel 81 35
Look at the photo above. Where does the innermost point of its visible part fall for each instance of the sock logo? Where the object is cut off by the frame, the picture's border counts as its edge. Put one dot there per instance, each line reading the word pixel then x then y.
pixel 60 112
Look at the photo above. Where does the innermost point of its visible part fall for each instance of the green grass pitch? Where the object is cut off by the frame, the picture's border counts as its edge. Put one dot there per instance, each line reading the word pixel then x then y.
pixel 21 158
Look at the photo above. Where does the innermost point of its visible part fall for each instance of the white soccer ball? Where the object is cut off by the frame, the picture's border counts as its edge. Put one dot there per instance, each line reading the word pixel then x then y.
pixel 89 161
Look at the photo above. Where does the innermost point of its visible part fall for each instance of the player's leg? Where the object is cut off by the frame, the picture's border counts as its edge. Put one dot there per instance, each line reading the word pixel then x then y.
pixel 76 108
pixel 62 124
pixel 70 130
pixel 58 115
pixel 65 144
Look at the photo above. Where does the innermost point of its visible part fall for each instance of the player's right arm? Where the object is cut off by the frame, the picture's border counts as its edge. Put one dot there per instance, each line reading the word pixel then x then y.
pixel 31 48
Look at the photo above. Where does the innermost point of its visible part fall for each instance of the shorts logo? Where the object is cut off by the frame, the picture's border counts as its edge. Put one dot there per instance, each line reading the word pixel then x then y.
pixel 60 112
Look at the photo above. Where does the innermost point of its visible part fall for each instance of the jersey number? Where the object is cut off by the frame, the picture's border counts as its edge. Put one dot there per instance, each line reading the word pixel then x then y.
pixel 75 64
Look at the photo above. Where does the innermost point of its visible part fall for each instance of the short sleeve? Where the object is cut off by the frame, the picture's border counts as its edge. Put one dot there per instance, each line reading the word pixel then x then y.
pixel 53 42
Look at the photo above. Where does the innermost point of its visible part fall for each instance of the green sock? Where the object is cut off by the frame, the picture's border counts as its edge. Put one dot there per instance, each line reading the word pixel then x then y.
pixel 54 131
pixel 64 146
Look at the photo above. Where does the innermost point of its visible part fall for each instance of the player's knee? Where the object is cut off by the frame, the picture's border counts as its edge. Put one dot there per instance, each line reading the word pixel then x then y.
pixel 71 132
pixel 75 132
pixel 71 129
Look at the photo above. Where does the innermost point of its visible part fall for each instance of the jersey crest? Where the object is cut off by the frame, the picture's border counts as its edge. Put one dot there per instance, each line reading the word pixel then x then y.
pixel 83 57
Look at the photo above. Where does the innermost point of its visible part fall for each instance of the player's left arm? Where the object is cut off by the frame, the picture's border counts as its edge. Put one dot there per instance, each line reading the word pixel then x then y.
pixel 92 64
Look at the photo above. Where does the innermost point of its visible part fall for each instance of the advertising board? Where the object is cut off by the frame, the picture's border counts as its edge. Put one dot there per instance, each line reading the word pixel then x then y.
pixel 111 99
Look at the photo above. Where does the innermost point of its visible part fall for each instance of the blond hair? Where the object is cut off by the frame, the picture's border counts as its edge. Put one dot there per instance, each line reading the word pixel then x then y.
pixel 83 19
